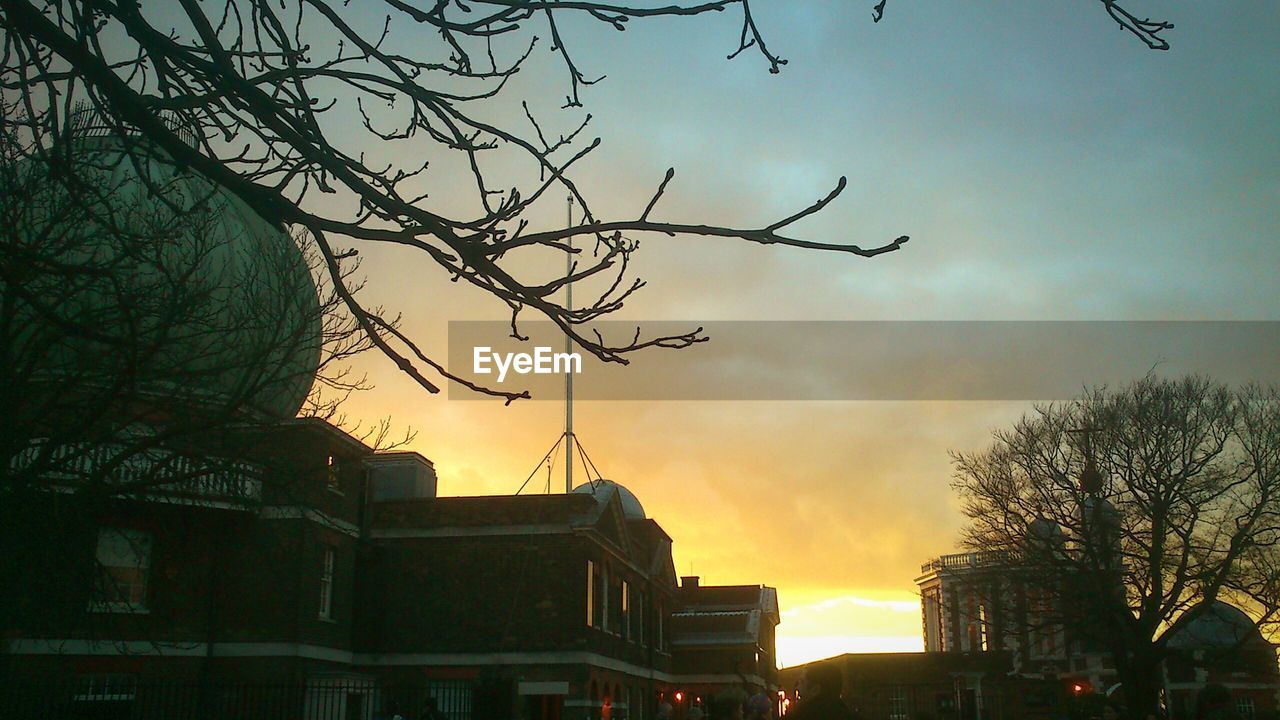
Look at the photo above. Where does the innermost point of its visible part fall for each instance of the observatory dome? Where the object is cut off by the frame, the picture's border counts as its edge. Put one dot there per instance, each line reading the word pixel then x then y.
pixel 1221 625
pixel 1045 534
pixel 602 489
pixel 217 302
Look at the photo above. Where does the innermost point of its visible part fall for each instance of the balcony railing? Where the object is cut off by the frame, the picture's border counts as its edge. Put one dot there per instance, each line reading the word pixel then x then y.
pixel 966 561
pixel 138 472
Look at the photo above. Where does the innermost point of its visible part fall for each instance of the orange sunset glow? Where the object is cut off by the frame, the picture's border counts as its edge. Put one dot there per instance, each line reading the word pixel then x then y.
pixel 836 504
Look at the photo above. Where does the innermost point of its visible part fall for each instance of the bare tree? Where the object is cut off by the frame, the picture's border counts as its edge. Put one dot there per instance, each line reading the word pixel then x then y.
pixel 1132 511
pixel 261 86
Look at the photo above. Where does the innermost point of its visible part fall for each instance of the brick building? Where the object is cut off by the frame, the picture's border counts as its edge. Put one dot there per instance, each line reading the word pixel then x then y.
pixel 311 562
pixel 724 636
pixel 567 597
pixel 216 569
pixel 938 685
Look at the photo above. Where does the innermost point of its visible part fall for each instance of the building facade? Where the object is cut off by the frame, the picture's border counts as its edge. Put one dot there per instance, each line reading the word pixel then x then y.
pixel 973 605
pixel 723 637
pixel 937 685
pixel 335 583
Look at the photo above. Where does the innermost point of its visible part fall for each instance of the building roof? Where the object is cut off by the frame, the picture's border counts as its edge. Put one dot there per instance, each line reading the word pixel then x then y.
pixel 398 456
pixel 718 615
pixel 483 511
pixel 733 627
pixel 919 667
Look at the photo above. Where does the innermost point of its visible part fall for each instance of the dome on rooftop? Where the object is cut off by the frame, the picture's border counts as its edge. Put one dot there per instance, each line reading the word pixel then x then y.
pixel 602 489
pixel 1043 529
pixel 218 301
pixel 1219 626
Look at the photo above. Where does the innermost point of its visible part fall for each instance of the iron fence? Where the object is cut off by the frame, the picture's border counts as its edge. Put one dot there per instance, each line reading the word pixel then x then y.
pixel 126 697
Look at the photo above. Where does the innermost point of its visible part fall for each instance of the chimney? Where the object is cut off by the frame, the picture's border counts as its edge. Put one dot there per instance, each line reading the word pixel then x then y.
pixel 689 582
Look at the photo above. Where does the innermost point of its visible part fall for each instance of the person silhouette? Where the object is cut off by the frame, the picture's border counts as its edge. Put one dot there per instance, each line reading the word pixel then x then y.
pixel 820 695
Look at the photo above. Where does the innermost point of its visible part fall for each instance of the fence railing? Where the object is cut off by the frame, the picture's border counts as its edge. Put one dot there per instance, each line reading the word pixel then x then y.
pixel 143 471
pixel 956 561
pixel 125 697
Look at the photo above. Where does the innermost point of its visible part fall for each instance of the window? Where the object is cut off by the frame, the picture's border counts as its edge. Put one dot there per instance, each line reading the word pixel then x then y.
pixel 898 703
pixel 604 599
pixel 625 624
pixel 591 593
pixel 657 626
pixel 982 627
pixel 326 584
pixel 1244 707
pixel 114 687
pixel 639 616
pixel 124 564
pixel 332 475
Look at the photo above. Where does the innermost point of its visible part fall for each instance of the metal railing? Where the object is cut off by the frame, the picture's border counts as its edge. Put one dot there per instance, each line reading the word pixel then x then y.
pixel 143 472
pixel 86 122
pixel 126 697
pixel 958 561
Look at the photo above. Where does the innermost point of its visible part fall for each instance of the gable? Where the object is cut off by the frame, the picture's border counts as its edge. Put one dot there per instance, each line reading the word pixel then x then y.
pixel 611 523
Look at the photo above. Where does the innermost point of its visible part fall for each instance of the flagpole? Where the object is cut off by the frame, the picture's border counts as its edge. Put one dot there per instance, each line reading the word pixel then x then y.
pixel 568 375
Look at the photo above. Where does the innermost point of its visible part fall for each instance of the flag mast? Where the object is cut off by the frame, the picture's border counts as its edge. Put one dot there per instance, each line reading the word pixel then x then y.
pixel 568 348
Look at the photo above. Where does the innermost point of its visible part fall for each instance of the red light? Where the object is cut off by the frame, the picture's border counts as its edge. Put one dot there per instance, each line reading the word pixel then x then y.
pixel 679 697
pixel 1077 688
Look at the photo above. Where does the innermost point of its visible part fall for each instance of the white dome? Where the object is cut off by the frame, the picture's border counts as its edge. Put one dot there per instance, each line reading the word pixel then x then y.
pixel 245 316
pixel 602 489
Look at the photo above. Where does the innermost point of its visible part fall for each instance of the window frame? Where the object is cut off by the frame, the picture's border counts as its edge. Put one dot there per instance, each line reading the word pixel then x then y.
pixel 142 544
pixel 333 474
pixel 106 687
pixel 624 619
pixel 591 593
pixel 328 572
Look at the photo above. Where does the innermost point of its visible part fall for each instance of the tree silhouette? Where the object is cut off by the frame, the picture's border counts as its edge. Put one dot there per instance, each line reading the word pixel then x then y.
pixel 261 89
pixel 1131 511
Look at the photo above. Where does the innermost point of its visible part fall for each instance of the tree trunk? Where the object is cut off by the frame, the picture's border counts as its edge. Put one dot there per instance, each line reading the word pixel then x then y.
pixel 1140 687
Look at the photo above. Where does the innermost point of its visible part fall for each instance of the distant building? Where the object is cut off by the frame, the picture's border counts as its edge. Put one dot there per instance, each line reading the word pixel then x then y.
pixel 723 636
pixel 969 603
pixel 1223 646
pixel 937 685
pixel 972 608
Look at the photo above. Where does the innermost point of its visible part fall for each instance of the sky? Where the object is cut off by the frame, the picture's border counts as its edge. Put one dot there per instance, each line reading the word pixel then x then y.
pixel 1046 165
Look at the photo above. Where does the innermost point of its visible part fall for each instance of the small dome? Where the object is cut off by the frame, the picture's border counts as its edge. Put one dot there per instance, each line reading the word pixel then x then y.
pixel 1219 626
pixel 602 489
pixel 1044 529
